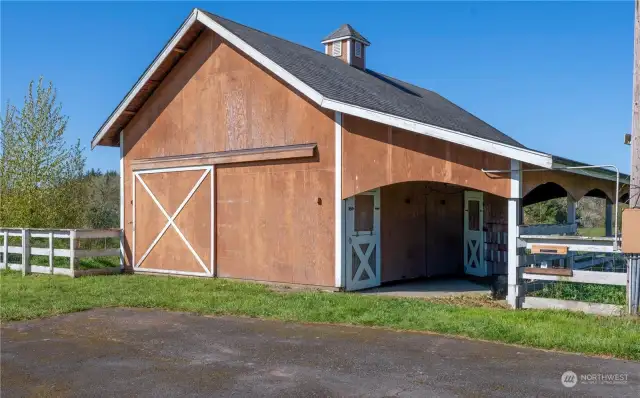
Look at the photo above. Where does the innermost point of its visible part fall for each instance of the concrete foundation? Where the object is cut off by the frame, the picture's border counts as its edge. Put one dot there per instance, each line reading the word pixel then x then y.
pixel 430 288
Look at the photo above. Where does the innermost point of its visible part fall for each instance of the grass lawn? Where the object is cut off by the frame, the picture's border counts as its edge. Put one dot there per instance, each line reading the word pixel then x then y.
pixel 594 293
pixel 596 231
pixel 44 295
pixel 81 263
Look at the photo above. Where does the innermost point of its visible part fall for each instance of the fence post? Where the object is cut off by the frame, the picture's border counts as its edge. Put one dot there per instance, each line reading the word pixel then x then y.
pixel 51 252
pixel 633 283
pixel 5 256
pixel 26 252
pixel 514 255
pixel 72 252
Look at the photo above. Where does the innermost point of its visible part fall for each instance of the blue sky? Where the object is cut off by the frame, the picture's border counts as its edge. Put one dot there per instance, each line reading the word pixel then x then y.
pixel 555 76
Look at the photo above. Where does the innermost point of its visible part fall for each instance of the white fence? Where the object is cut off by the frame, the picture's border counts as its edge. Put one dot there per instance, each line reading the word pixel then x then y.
pixel 573 269
pixel 72 252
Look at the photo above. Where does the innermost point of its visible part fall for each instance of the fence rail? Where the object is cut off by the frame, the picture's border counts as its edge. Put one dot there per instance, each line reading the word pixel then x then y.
pixel 588 274
pixel 72 251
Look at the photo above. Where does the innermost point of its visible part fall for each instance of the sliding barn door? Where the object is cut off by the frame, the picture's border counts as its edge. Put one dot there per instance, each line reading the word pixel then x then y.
pixel 173 220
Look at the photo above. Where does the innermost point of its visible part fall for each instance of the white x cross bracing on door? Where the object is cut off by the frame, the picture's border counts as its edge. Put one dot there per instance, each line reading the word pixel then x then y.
pixel 474 253
pixel 364 260
pixel 171 220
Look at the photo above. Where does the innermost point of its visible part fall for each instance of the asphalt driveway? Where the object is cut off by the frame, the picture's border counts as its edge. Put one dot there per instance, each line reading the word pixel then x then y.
pixel 125 352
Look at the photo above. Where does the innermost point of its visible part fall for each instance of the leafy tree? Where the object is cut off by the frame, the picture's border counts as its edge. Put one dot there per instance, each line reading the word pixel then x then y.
pixel 40 175
pixel 103 191
pixel 553 211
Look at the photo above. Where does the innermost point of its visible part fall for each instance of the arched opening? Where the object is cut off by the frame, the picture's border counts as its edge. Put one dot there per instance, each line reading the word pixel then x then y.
pixel 544 192
pixel 624 199
pixel 595 214
pixel 429 233
pixel 597 193
pixel 546 204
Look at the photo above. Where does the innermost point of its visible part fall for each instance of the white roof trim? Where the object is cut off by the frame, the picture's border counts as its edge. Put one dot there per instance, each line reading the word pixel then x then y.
pixel 366 43
pixel 509 151
pixel 147 75
pixel 593 173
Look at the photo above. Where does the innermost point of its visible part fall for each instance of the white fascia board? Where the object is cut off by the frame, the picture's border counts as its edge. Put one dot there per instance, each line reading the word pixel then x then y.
pixel 508 151
pixel 593 173
pixel 261 58
pixel 366 43
pixel 147 75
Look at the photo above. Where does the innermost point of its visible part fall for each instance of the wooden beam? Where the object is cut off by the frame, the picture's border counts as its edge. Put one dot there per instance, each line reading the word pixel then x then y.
pixel 548 271
pixel 301 151
pixel 549 249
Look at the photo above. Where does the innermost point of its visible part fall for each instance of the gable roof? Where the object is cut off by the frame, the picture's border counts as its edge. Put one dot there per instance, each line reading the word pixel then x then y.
pixel 345 31
pixel 334 85
pixel 335 79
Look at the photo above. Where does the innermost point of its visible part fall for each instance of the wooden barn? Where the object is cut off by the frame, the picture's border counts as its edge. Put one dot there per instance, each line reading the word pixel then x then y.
pixel 244 155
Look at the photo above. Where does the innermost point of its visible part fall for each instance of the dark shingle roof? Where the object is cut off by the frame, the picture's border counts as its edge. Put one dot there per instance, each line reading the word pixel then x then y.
pixel 346 30
pixel 336 80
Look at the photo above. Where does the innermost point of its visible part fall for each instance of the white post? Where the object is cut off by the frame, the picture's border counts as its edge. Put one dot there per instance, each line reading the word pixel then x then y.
pixel 122 200
pixel 5 256
pixel 572 207
pixel 513 261
pixel 571 210
pixel 51 252
pixel 338 206
pixel 26 252
pixel 72 252
pixel 608 219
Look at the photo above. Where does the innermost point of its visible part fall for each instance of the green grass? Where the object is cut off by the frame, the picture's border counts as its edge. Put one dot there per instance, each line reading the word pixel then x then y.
pixel 596 231
pixel 588 292
pixel 82 263
pixel 37 296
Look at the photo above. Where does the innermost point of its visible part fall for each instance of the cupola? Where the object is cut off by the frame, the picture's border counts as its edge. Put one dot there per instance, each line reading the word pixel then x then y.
pixel 348 45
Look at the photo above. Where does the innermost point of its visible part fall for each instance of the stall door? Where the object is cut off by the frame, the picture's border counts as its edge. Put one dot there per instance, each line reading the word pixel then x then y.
pixel 173 219
pixel 363 240
pixel 474 263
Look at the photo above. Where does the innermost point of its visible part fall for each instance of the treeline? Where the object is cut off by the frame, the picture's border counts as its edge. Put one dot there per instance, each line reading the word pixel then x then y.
pixel 43 183
pixel 590 212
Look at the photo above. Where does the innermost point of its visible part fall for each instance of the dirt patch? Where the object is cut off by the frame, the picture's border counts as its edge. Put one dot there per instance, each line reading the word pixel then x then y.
pixel 472 300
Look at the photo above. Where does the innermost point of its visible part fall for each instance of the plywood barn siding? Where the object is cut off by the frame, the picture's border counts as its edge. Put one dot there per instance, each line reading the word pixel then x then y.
pixel 375 155
pixel 274 219
pixel 422 230
pixel 576 185
pixel 355 61
pixel 445 230
pixel 402 224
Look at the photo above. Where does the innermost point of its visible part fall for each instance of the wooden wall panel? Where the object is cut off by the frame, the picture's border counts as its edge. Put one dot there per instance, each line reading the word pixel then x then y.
pixel 375 155
pixel 422 230
pixel 402 224
pixel 445 230
pixel 269 223
pixel 576 185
